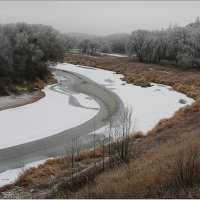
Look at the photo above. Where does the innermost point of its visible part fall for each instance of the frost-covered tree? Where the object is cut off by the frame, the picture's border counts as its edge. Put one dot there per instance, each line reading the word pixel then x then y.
pixel 25 49
pixel 90 44
pixel 88 47
pixel 69 43
pixel 117 43
pixel 105 47
pixel 6 61
pixel 138 40
pixel 178 44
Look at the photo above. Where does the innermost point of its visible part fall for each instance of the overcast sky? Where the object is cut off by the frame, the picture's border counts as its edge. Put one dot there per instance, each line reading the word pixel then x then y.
pixel 100 17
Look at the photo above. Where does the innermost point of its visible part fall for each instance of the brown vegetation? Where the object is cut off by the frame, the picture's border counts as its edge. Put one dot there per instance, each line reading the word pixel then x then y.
pixel 26 92
pixel 7 86
pixel 170 173
pixel 47 174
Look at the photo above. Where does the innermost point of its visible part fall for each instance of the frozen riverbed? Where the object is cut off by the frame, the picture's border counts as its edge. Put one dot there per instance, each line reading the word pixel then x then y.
pixel 50 115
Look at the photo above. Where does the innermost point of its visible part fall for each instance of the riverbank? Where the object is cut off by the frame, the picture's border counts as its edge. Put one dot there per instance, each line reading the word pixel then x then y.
pixel 156 160
pixel 14 95
pixel 14 101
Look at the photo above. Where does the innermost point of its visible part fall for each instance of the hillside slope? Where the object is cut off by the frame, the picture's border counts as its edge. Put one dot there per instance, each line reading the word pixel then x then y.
pixel 164 164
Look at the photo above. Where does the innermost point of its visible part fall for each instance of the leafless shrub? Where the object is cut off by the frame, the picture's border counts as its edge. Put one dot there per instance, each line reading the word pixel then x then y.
pixel 72 150
pixel 187 166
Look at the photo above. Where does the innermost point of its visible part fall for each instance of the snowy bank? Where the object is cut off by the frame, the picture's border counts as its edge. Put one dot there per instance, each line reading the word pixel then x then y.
pixel 150 105
pixel 10 176
pixel 115 55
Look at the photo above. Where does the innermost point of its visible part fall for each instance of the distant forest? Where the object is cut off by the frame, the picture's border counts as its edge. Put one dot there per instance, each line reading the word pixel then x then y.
pixel 25 49
pixel 178 44
pixel 181 45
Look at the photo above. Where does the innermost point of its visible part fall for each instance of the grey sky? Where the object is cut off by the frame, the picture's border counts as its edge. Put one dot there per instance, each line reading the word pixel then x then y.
pixel 100 17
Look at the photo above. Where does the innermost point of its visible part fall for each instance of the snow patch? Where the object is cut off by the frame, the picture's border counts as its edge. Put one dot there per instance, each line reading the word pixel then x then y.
pixel 115 55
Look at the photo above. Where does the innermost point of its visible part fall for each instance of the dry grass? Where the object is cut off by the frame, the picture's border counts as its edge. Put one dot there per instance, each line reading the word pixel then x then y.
pixel 161 173
pixel 34 87
pixel 7 86
pixel 49 173
pixel 137 135
pixel 45 174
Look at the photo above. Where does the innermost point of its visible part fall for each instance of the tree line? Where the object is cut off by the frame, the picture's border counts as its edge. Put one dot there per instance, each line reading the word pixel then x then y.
pixel 181 45
pixel 178 44
pixel 90 44
pixel 25 49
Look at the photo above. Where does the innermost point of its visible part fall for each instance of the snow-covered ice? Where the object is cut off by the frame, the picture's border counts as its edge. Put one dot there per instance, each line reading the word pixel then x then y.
pixel 83 99
pixel 50 115
pixel 149 104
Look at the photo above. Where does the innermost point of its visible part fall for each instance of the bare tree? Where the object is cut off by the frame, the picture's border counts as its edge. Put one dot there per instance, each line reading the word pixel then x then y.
pixel 72 150
pixel 94 144
pixel 126 127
